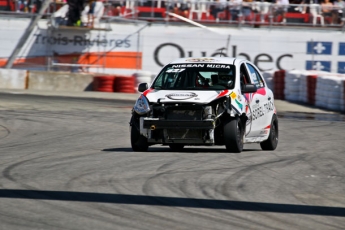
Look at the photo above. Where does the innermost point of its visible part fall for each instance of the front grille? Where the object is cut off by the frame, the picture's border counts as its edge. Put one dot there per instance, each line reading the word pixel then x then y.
pixel 184 134
pixel 189 115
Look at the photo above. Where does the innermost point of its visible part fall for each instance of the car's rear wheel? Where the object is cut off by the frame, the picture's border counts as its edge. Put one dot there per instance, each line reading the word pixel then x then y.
pixel 138 141
pixel 176 147
pixel 233 135
pixel 272 141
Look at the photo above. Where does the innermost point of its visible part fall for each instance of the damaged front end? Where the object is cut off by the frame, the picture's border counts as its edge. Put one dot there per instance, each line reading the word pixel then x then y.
pixel 182 123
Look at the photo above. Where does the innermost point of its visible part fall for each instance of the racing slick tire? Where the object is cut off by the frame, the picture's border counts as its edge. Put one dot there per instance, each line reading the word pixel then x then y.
pixel 138 141
pixel 272 141
pixel 176 147
pixel 233 135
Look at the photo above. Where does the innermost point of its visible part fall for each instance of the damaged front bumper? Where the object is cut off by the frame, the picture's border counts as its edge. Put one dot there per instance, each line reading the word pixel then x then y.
pixel 193 132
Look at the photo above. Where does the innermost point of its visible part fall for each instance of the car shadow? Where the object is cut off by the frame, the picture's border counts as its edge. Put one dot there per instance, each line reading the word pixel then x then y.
pixel 185 150
pixel 172 202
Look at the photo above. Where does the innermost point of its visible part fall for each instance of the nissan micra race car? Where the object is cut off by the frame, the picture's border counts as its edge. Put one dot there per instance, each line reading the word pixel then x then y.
pixel 205 101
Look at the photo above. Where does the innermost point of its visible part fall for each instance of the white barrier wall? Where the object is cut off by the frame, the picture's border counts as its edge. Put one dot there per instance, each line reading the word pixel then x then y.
pixel 150 47
pixel 59 81
pixel 292 85
pixel 13 79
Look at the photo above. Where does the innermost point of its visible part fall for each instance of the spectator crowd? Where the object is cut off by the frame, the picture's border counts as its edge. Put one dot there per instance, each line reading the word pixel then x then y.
pixel 331 11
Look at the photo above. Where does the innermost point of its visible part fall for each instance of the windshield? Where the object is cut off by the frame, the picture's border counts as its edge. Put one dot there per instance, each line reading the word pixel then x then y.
pixel 196 77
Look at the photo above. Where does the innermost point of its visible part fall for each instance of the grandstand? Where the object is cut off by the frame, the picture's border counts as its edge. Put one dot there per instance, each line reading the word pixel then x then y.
pixel 233 13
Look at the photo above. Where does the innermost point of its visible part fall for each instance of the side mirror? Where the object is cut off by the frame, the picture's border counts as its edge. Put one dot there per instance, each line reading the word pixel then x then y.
pixel 142 87
pixel 249 88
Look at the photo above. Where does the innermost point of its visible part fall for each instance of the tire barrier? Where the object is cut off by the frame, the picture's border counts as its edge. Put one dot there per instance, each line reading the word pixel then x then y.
pixel 303 87
pixel 342 100
pixel 268 77
pixel 125 84
pixel 318 88
pixel 311 87
pixel 103 83
pixel 279 84
pixel 142 77
pixel 328 93
pixel 291 87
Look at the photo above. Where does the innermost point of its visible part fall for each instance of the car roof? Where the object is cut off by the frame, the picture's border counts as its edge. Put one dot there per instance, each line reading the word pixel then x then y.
pixel 208 60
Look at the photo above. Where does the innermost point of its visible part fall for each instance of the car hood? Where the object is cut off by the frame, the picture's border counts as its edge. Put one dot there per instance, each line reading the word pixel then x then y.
pixel 184 96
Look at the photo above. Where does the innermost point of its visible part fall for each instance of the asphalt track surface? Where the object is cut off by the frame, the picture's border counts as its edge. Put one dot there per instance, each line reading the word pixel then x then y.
pixel 66 163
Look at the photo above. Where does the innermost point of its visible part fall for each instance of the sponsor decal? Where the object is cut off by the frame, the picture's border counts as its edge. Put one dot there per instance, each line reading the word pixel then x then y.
pixel 223 93
pixel 239 97
pixel 318 65
pixel 341 48
pixel 341 67
pixel 319 48
pixel 269 106
pixel 239 104
pixel 233 95
pixel 147 91
pixel 201 60
pixel 261 91
pixel 177 67
pixel 83 41
pixel 181 96
pixel 257 113
pixel 188 66
pixel 264 132
pixel 175 70
pixel 218 66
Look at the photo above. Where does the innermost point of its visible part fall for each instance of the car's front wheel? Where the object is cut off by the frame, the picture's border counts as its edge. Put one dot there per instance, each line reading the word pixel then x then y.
pixel 233 135
pixel 272 141
pixel 138 141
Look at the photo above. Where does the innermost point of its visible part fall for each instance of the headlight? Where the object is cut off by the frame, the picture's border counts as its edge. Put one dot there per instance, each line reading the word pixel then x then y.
pixel 142 105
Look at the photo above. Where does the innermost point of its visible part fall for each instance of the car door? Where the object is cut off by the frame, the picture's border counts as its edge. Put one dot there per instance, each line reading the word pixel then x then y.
pixel 257 102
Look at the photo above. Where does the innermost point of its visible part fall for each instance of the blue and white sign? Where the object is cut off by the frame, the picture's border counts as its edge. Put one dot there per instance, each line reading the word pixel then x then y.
pixel 341 67
pixel 341 48
pixel 318 65
pixel 319 48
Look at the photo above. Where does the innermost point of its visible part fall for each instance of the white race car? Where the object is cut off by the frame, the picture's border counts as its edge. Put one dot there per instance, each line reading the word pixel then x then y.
pixel 205 101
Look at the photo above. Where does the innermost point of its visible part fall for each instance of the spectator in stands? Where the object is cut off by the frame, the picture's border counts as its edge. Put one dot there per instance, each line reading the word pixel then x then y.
pixel 235 9
pixel 90 13
pixel 247 8
pixel 180 8
pixel 338 11
pixel 326 9
pixel 115 8
pixel 280 8
pixel 21 5
pixel 217 7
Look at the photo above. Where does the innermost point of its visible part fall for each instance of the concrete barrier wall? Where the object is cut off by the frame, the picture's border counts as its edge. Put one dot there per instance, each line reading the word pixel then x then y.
pixel 57 81
pixel 13 79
